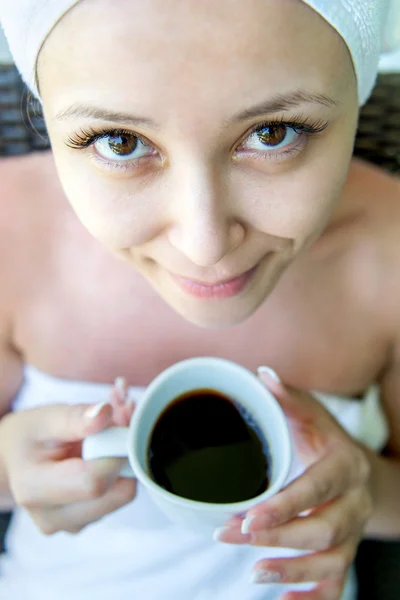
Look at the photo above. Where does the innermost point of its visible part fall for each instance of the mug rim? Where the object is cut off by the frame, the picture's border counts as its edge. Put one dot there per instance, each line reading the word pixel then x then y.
pixel 200 506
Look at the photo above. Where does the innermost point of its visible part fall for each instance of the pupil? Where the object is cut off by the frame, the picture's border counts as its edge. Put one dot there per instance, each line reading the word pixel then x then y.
pixel 272 135
pixel 122 144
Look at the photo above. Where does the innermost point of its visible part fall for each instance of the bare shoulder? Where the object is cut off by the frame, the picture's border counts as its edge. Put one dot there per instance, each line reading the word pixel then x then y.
pixel 373 186
pixel 361 245
pixel 29 193
pixel 371 198
pixel 374 195
pixel 25 185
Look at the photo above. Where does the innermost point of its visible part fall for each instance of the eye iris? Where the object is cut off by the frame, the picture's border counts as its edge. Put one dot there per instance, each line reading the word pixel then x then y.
pixel 272 135
pixel 122 144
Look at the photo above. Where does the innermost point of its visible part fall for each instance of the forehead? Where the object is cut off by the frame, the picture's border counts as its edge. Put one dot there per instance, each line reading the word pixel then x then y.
pixel 168 49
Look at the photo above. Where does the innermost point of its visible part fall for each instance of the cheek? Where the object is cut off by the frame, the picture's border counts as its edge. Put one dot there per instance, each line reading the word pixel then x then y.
pixel 297 204
pixel 112 213
pixel 292 207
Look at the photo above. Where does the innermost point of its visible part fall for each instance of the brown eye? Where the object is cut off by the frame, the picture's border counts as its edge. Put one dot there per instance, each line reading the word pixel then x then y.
pixel 272 135
pixel 122 144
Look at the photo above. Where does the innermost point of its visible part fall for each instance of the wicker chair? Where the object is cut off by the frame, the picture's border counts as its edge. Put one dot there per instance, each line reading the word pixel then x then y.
pixel 22 130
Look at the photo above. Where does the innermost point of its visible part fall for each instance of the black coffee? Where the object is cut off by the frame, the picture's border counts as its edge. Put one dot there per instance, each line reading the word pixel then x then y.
pixel 204 448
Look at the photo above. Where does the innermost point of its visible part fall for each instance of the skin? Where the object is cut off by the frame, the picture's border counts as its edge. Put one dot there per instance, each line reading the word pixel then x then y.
pixel 206 205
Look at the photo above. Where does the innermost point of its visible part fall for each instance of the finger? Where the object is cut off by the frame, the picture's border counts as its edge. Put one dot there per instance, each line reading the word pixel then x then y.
pixel 322 482
pixel 312 427
pixel 295 403
pixel 330 589
pixel 326 527
pixel 321 531
pixel 66 423
pixel 317 566
pixel 74 517
pixel 64 482
pixel 120 390
pixel 123 404
pixel 114 400
pixel 128 411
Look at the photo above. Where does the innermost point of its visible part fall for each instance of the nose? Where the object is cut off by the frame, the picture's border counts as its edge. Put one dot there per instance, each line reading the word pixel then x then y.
pixel 203 224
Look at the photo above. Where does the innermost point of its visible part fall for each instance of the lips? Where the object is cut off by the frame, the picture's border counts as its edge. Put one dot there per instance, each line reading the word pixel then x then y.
pixel 218 290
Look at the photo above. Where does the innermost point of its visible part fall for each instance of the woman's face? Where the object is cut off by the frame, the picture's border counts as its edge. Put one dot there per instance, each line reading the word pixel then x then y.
pixel 204 142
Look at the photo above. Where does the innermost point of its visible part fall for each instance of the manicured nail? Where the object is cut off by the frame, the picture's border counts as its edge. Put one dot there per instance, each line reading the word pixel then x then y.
pixel 120 386
pixel 267 370
pixel 95 410
pixel 262 576
pixel 218 533
pixel 246 524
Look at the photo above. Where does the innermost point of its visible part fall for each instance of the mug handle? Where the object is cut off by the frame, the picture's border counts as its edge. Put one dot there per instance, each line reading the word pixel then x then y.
pixel 112 442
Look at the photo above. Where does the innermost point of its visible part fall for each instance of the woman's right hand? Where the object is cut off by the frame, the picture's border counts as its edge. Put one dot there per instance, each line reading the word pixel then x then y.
pixel 40 450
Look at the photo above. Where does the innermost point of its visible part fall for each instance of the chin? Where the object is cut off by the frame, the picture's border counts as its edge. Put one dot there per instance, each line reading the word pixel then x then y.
pixel 217 314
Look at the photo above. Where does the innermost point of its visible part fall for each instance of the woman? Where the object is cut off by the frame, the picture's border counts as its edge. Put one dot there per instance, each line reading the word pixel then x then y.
pixel 207 145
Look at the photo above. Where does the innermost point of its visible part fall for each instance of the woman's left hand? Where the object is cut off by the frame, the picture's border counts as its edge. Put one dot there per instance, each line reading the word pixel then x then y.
pixel 323 511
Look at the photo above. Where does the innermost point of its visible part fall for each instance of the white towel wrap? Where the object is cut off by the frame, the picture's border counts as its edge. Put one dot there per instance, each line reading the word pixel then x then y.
pixel 27 23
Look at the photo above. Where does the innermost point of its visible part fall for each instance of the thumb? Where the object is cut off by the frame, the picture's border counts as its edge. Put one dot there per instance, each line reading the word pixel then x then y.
pixel 294 403
pixel 310 424
pixel 67 423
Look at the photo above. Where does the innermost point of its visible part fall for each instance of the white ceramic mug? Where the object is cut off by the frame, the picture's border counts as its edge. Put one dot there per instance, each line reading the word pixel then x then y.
pixel 217 374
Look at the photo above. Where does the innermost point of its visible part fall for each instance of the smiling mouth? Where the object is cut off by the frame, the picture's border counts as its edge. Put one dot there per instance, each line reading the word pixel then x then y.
pixel 218 290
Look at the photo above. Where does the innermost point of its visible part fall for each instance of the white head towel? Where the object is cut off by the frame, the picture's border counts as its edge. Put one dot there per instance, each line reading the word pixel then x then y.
pixel 360 23
pixel 27 23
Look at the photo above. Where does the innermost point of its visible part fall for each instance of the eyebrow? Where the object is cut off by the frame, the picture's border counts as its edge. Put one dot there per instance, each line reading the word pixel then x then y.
pixel 101 114
pixel 283 102
pixel 279 103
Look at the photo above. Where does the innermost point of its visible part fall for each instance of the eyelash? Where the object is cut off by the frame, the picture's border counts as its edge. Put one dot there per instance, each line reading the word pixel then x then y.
pixel 88 137
pixel 300 124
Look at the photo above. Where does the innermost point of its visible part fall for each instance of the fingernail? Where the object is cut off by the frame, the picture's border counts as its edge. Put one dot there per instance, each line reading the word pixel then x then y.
pixel 268 371
pixel 218 533
pixel 93 411
pixel 246 524
pixel 262 576
pixel 120 385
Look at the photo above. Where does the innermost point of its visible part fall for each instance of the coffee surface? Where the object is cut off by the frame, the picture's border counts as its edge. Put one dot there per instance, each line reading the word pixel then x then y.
pixel 204 448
